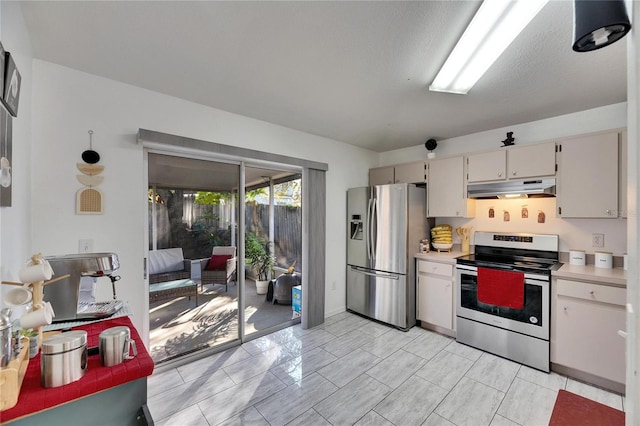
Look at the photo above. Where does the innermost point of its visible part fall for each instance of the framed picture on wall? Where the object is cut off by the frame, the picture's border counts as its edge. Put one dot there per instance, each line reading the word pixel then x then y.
pixel 12 80
pixel 2 67
pixel 6 149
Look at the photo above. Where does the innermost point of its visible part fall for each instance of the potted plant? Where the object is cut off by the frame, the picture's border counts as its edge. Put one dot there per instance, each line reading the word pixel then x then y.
pixel 33 341
pixel 258 255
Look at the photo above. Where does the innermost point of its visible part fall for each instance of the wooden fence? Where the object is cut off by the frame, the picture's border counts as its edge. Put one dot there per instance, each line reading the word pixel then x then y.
pixel 197 228
pixel 287 231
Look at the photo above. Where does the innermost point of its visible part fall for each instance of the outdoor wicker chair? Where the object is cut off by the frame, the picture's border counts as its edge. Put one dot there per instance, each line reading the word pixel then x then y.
pixel 220 268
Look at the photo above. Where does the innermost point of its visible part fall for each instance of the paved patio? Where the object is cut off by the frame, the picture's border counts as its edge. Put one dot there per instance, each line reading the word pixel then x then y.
pixel 179 327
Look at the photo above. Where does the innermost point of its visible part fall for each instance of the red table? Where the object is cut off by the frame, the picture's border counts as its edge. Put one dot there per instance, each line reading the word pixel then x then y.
pixel 34 398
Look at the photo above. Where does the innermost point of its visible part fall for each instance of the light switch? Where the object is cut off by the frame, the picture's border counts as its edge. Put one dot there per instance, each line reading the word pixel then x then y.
pixel 85 246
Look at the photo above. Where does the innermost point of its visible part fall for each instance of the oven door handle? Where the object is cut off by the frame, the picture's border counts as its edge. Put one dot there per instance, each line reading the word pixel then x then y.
pixel 467 268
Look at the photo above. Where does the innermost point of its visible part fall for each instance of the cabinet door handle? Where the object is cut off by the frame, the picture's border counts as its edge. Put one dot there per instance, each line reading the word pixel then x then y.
pixel 622 334
pixel 592 293
pixel 514 173
pixel 608 212
pixel 566 309
pixel 499 174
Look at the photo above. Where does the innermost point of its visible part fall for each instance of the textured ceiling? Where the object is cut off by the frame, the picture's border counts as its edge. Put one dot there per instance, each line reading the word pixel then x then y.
pixel 357 72
pixel 203 175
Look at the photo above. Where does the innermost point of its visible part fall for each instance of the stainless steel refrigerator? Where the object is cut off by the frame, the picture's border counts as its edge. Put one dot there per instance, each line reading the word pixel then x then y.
pixel 385 225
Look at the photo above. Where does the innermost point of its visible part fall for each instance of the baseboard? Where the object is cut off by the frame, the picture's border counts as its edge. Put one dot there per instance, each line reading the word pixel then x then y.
pixel 333 312
pixel 588 378
pixel 436 328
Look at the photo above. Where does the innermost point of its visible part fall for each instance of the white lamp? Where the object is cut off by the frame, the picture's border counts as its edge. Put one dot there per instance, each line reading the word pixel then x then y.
pixel 492 29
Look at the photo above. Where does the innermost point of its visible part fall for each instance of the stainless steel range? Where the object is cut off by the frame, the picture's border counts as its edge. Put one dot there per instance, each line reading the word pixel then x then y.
pixel 503 300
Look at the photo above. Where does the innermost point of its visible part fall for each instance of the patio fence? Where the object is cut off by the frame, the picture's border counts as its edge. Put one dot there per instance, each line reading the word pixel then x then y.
pixel 287 231
pixel 197 228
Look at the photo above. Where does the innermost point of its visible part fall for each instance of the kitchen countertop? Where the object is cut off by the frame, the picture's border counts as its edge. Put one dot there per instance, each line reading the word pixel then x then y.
pixel 442 257
pixel 34 398
pixel 614 277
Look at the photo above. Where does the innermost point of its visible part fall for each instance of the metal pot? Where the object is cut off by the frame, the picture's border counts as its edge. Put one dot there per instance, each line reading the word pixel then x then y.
pixel 63 359
pixel 5 337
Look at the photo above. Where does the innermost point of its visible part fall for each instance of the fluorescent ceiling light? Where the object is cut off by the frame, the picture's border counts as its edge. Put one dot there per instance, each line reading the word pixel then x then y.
pixel 492 29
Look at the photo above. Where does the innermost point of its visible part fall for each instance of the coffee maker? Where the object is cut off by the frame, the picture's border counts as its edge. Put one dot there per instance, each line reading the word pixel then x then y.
pixel 73 298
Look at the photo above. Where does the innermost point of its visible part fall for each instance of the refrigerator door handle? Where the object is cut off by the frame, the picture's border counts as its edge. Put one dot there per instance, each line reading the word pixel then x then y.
pixel 369 231
pixel 374 274
pixel 374 230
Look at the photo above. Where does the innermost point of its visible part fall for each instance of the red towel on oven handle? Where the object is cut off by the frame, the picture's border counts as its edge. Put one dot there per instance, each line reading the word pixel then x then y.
pixel 501 288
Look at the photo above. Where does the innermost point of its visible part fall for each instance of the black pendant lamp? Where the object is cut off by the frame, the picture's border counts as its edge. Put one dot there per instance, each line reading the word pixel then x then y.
pixel 597 24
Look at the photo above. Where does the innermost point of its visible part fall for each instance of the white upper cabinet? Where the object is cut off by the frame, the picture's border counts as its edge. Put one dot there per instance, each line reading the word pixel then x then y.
pixel 588 177
pixel 381 175
pixel 515 162
pixel 531 161
pixel 414 172
pixel 487 166
pixel 446 193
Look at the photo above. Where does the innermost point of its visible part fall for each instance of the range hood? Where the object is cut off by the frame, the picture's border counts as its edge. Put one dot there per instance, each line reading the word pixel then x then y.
pixel 513 188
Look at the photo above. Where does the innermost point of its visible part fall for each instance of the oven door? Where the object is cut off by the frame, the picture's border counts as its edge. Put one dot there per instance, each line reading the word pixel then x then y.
pixel 532 319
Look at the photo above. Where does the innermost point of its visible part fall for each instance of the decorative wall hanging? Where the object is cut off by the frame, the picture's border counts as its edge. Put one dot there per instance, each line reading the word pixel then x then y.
pixel 6 148
pixel 12 81
pixel 540 216
pixel 506 217
pixel 89 199
pixel 3 62
pixel 509 140
pixel 492 213
pixel 525 212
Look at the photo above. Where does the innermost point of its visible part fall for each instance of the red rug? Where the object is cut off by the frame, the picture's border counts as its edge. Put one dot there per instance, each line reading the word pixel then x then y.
pixel 572 410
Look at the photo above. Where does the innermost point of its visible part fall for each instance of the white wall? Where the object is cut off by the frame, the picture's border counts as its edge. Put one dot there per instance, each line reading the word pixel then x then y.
pixel 15 221
pixel 589 121
pixel 67 103
pixel 633 232
pixel 574 233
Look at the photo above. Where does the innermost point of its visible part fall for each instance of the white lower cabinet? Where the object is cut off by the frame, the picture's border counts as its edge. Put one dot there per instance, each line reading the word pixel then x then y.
pixel 585 323
pixel 435 294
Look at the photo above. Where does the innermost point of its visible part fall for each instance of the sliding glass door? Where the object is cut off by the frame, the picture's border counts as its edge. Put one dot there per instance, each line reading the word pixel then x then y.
pixel 193 255
pixel 203 293
pixel 273 248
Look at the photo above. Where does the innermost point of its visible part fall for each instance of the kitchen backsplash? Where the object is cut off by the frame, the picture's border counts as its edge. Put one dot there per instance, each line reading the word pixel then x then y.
pixel 574 233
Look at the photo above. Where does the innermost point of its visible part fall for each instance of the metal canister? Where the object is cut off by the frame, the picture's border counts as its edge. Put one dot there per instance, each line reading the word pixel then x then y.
pixel 115 345
pixel 6 345
pixel 63 359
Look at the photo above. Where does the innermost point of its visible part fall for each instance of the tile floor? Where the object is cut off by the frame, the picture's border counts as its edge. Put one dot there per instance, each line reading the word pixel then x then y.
pixel 353 371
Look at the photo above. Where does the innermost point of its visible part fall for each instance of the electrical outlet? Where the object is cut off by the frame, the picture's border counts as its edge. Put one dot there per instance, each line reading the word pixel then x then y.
pixel 85 246
pixel 597 240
